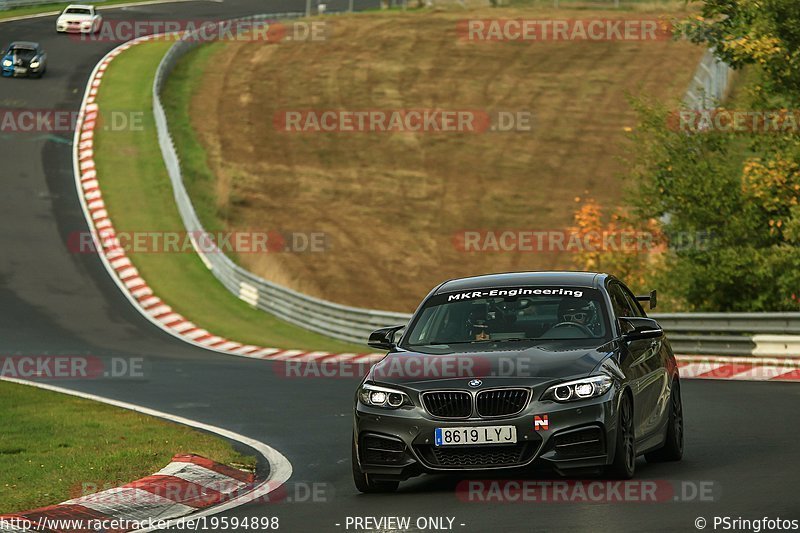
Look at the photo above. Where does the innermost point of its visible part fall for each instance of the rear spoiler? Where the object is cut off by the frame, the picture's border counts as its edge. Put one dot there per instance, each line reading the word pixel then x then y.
pixel 649 298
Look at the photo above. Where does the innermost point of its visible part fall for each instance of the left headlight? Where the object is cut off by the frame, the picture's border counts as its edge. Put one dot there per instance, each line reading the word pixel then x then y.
pixel 375 396
pixel 34 64
pixel 580 389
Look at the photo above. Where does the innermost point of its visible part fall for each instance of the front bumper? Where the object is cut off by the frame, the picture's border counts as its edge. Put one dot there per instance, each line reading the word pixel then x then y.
pixel 21 72
pixel 63 27
pixel 399 443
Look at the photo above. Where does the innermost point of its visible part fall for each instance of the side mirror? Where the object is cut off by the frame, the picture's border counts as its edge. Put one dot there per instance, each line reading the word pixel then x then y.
pixel 651 298
pixel 635 328
pixel 383 339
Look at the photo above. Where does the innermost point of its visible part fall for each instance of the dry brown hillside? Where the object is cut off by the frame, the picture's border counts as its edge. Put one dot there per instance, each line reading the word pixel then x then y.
pixel 391 203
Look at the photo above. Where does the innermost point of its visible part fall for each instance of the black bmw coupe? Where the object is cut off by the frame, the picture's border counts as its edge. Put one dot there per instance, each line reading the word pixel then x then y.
pixel 519 370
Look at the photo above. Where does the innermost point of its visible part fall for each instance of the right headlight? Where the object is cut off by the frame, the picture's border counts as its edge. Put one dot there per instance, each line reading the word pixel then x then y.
pixel 6 62
pixel 375 396
pixel 580 389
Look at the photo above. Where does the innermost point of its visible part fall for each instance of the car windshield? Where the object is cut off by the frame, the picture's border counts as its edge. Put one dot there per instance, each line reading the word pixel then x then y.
pixel 22 53
pixel 78 11
pixel 512 314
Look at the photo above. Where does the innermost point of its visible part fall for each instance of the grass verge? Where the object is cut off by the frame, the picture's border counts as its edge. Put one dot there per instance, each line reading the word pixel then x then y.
pixel 138 194
pixel 54 447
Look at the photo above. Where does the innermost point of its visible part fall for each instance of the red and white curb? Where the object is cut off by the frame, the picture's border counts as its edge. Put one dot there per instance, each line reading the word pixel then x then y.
pixel 136 289
pixel 119 264
pixel 247 491
pixel 738 368
pixel 187 484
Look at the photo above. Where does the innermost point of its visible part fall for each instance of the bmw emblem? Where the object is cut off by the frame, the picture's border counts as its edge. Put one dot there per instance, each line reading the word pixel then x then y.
pixel 475 383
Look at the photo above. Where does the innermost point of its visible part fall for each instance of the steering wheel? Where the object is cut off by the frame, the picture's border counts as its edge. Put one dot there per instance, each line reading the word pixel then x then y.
pixel 506 314
pixel 581 327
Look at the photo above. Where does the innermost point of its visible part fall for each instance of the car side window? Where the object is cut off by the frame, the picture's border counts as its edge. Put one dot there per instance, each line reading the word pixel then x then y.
pixel 633 303
pixel 619 302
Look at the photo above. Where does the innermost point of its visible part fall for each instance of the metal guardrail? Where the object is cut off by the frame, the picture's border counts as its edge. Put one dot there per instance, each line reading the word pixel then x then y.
pixel 709 84
pixel 729 333
pixel 11 4
pixel 334 320
pixel 690 333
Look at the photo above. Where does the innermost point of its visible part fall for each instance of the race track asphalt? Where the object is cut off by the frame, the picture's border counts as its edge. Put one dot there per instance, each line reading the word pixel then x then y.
pixel 742 437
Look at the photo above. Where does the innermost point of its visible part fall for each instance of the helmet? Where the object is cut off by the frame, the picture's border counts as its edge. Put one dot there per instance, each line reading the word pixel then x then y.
pixel 478 319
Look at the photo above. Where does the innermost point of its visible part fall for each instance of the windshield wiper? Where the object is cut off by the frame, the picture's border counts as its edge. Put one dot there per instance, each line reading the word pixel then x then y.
pixel 440 343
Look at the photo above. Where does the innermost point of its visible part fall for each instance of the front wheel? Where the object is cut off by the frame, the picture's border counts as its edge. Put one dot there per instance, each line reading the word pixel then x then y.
pixel 364 483
pixel 624 465
pixel 673 445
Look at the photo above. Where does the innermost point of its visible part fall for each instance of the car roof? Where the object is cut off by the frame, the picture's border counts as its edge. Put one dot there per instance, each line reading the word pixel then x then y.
pixel 82 6
pixel 514 279
pixel 24 44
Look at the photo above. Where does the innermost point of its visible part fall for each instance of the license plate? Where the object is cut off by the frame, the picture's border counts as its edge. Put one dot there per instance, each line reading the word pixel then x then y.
pixel 460 436
pixel 20 70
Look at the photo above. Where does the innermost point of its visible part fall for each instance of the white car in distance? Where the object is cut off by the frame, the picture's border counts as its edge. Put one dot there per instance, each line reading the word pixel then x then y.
pixel 79 18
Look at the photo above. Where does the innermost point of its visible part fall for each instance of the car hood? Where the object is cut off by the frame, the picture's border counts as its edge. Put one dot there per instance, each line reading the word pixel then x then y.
pixel 521 367
pixel 20 60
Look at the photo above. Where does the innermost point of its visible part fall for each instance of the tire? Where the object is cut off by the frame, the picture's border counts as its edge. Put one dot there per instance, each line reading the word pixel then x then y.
pixel 624 465
pixel 364 483
pixel 672 450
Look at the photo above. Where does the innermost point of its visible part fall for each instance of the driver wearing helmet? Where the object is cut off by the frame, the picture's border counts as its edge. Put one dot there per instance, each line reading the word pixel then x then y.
pixel 578 311
pixel 478 322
